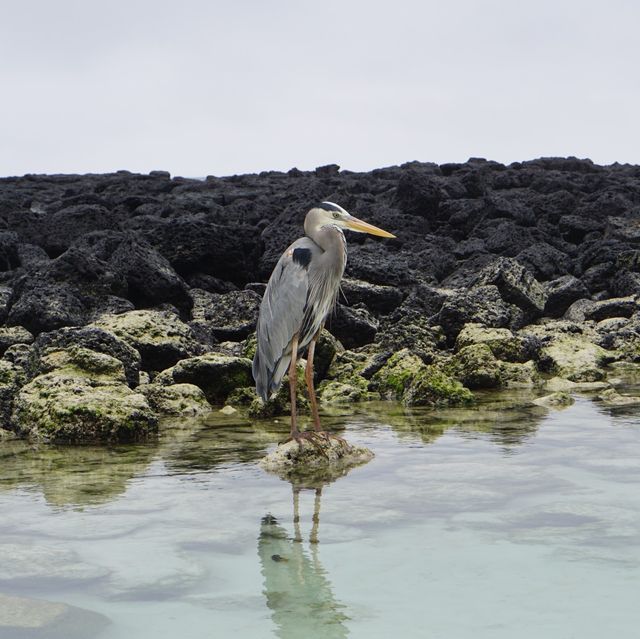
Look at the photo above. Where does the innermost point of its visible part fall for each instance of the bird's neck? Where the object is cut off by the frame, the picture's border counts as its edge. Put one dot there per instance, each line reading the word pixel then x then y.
pixel 332 241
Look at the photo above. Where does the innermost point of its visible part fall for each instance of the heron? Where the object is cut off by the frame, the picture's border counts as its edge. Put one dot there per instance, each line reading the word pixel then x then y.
pixel 301 292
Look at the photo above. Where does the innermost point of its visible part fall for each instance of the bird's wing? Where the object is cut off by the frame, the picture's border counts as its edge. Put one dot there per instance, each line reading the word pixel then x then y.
pixel 281 315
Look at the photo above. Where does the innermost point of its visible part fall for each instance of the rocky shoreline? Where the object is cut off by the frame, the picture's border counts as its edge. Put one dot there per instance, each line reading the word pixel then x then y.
pixel 126 298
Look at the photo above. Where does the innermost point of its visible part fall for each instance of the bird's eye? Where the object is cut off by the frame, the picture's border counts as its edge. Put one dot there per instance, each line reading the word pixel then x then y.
pixel 336 215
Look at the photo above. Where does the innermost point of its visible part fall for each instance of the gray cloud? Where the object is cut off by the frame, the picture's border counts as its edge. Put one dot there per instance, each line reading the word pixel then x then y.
pixel 218 87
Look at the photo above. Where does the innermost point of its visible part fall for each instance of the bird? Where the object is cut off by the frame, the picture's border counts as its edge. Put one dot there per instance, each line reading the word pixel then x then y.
pixel 302 291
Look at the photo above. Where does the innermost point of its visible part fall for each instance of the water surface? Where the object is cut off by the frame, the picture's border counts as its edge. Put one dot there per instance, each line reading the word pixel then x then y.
pixel 504 520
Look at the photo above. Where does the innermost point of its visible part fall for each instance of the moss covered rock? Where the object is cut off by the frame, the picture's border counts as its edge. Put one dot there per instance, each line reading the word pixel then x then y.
pixel 243 396
pixel 216 374
pixel 397 374
pixel 10 335
pixel 181 400
pixel 575 357
pixel 160 337
pixel 503 343
pixel 355 389
pixel 11 379
pixel 81 397
pixel 280 403
pixel 63 407
pixel 558 400
pixel 433 387
pixel 476 367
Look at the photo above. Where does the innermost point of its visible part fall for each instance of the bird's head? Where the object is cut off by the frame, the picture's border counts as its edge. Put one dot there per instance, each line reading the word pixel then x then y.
pixel 327 213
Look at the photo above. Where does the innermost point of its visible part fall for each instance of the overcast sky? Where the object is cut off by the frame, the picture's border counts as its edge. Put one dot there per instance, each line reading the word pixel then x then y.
pixel 201 87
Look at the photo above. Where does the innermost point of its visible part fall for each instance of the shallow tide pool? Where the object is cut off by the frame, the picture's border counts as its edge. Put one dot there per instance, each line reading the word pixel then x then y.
pixel 504 520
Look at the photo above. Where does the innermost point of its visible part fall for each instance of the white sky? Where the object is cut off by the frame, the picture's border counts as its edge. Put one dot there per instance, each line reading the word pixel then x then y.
pixel 235 86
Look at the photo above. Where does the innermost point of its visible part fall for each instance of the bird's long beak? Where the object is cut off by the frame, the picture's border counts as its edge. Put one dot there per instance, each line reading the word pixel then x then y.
pixel 364 227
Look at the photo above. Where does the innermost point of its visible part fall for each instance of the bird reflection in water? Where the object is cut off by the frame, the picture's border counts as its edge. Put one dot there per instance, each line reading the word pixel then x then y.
pixel 296 585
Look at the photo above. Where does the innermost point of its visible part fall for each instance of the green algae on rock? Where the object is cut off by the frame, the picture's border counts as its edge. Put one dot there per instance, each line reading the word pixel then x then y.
pixel 354 389
pixel 216 374
pixel 181 400
pixel 324 459
pixel 433 387
pixel 81 397
pixel 280 403
pixel 576 358
pixel 503 343
pixel 160 337
pixel 558 400
pixel 397 374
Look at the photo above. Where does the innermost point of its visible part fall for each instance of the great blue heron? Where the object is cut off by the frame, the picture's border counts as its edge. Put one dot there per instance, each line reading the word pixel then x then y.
pixel 301 292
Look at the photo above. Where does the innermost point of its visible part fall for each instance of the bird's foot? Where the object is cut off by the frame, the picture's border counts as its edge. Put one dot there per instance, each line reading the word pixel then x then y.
pixel 315 438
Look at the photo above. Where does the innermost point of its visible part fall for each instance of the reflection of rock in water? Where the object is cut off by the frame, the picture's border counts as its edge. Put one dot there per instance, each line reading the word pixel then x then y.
pixel 508 418
pixel 296 586
pixel 73 475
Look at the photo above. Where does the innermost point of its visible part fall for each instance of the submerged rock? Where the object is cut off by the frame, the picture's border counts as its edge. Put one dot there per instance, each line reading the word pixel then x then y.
pixel 610 397
pixel 558 400
pixel 324 458
pixel 25 618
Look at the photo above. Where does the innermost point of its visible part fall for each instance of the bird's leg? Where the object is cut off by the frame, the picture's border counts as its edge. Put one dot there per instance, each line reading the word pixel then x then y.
pixel 308 375
pixel 295 432
pixel 296 513
pixel 293 377
pixel 313 537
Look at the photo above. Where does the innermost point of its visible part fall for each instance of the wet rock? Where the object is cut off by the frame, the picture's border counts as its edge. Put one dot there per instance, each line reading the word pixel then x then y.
pixel 243 396
pixel 331 455
pixel 225 316
pixel 559 384
pixel 610 397
pixel 575 358
pixel 558 400
pixel 25 618
pixel 476 367
pixel 562 293
pixel 181 400
pixel 356 389
pixel 159 336
pixel 216 374
pixel 353 326
pixel 433 387
pixel 397 374
pixel 481 305
pixel 81 398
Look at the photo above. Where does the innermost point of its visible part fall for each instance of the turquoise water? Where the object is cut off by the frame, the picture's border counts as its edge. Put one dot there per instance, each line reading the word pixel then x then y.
pixel 501 521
